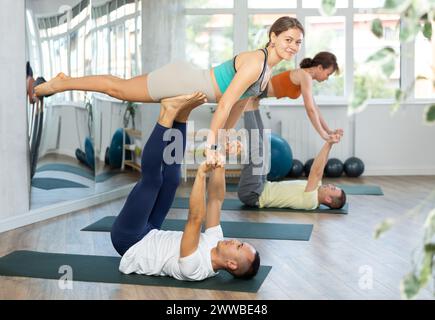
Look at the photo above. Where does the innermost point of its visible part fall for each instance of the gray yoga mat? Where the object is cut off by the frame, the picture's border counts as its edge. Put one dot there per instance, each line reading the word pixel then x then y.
pixel 348 188
pixel 231 229
pixel 89 268
pixel 53 183
pixel 237 205
pixel 63 167
pixel 80 171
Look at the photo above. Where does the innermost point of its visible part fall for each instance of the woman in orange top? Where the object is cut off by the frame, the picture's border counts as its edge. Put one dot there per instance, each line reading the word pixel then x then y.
pixel 293 83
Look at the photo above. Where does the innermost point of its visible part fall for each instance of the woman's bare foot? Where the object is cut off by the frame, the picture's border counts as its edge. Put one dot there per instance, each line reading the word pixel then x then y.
pixel 49 87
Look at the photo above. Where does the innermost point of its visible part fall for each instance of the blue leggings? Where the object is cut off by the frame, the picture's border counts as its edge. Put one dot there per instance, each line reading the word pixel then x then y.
pixel 148 203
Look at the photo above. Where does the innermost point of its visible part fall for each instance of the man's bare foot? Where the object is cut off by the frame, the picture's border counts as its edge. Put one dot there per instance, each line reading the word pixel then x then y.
pixel 183 114
pixel 49 87
pixel 174 105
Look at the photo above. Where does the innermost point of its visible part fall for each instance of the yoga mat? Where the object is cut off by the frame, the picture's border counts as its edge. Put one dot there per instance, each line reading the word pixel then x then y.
pixel 361 189
pixel 105 269
pixel 83 172
pixel 349 189
pixel 52 183
pixel 231 229
pixel 236 204
pixel 86 173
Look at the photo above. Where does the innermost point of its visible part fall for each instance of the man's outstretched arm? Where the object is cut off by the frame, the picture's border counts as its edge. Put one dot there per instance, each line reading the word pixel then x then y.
pixel 316 172
pixel 197 212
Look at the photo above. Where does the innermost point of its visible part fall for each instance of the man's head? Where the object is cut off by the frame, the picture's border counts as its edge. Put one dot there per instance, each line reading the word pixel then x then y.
pixel 238 258
pixel 332 196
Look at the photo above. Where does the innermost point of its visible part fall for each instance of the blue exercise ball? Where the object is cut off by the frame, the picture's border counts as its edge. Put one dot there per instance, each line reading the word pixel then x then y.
pixel 115 150
pixel 281 158
pixel 89 151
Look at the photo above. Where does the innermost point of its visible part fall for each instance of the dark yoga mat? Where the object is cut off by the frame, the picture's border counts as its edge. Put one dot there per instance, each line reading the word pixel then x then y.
pixel 52 183
pixel 236 204
pixel 105 269
pixel 349 189
pixel 231 229
pixel 361 189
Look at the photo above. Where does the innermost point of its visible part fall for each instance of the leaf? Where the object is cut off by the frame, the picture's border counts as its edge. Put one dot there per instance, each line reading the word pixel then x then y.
pixel 409 286
pixel 429 225
pixel 360 96
pixel 377 28
pixel 427 30
pixel 381 54
pixel 388 67
pixel 430 114
pixel 328 7
pixel 383 227
pixel 393 4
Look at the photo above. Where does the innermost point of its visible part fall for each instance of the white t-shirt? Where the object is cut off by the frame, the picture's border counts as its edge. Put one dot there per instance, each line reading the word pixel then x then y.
pixel 158 253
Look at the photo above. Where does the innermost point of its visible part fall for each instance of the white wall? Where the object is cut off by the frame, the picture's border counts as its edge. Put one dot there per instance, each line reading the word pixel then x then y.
pixel 399 144
pixel 14 168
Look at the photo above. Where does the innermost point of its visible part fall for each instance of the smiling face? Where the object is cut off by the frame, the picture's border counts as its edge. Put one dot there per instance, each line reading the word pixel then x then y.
pixel 287 43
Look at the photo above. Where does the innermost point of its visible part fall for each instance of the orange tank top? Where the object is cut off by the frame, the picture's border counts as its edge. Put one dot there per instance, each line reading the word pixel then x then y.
pixel 284 87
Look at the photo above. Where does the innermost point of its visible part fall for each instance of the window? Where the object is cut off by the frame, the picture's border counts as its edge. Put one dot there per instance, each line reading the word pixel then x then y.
pixel 208 4
pixel 261 4
pixel 251 19
pixel 424 66
pixel 117 25
pixel 209 39
pixel 366 44
pixel 327 34
pixel 317 3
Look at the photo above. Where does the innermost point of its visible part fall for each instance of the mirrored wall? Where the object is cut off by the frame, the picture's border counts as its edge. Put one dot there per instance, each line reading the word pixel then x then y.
pixel 81 143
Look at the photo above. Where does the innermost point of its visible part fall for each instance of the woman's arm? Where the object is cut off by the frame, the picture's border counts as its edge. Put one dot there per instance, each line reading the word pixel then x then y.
pixel 247 73
pixel 312 110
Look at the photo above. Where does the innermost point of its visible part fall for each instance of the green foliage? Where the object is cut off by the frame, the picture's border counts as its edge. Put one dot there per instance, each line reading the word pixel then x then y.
pixel 382 227
pixel 328 7
pixel 377 28
pixel 427 30
pixel 430 113
pixel 421 272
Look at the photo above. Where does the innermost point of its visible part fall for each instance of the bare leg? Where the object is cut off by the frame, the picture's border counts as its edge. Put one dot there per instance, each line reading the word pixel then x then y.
pixel 135 89
pixel 171 107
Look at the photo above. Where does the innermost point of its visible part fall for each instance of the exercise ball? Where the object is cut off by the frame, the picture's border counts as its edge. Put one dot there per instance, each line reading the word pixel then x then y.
pixel 89 151
pixel 115 151
pixel 297 169
pixel 333 168
pixel 307 166
pixel 281 158
pixel 353 167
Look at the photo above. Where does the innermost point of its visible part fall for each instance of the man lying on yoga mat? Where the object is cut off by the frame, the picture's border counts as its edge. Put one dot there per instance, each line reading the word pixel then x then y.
pixel 189 255
pixel 254 190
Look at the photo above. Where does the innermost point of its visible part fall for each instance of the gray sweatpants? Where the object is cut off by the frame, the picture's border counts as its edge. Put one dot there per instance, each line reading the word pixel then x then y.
pixel 253 177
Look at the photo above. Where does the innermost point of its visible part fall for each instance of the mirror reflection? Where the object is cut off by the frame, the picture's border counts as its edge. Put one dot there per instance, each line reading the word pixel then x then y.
pixel 61 129
pixel 82 143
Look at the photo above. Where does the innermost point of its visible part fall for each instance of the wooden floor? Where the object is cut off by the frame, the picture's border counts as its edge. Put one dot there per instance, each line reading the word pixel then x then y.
pixel 329 266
